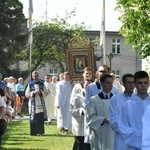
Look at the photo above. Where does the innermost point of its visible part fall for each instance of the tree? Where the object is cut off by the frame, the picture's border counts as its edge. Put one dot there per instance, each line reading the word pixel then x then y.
pixel 147 62
pixel 135 18
pixel 12 38
pixel 50 41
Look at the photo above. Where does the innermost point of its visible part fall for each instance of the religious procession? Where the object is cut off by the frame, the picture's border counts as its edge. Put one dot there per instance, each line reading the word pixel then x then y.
pixel 87 89
pixel 100 112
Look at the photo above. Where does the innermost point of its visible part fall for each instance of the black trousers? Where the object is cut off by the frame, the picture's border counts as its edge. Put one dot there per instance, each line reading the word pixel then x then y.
pixel 0 140
pixel 37 127
pixel 78 143
pixel 87 146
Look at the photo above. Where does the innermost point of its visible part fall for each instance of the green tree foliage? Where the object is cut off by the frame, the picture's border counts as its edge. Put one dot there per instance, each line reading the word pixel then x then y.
pixel 50 41
pixel 135 18
pixel 12 38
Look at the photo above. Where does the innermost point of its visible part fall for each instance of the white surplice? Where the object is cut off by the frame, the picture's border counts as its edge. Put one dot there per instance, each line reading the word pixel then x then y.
pixel 146 129
pixel 64 90
pixel 38 104
pixel 130 121
pixel 77 112
pixel 92 90
pixel 116 102
pixel 102 137
pixel 49 100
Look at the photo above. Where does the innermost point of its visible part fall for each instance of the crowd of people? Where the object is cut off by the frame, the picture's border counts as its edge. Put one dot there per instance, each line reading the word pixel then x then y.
pixel 102 113
pixel 116 117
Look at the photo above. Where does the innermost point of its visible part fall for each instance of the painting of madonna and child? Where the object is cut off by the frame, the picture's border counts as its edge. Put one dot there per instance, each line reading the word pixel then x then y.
pixel 80 62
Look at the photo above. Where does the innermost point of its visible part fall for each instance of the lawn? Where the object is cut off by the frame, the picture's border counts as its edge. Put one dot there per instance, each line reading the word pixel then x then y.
pixel 18 138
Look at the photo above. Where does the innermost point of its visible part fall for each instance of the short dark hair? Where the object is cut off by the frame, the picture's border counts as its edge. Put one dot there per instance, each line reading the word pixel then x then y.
pixel 48 75
pixel 126 76
pixel 87 68
pixel 140 74
pixel 35 72
pixel 66 73
pixel 104 77
pixel 105 66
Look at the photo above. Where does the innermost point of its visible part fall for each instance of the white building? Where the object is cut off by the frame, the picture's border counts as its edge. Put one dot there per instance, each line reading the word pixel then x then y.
pixel 124 59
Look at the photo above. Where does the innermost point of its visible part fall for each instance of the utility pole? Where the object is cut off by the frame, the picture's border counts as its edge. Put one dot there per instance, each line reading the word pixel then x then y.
pixel 110 57
pixel 46 10
pixel 30 34
pixel 102 34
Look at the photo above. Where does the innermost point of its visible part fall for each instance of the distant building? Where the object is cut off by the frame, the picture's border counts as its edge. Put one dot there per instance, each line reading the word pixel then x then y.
pixel 123 59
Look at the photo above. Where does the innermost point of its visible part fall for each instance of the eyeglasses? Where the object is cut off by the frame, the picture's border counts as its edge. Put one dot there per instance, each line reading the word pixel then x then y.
pixel 102 71
pixel 46 78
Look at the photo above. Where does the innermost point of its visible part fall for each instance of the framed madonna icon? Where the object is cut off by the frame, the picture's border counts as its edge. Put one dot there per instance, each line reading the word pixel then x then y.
pixel 77 60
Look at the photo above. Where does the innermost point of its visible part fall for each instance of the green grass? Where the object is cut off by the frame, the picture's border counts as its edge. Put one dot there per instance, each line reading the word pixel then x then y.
pixel 18 138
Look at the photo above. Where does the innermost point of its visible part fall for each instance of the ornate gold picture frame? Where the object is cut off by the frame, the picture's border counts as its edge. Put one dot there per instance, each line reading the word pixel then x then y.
pixel 77 60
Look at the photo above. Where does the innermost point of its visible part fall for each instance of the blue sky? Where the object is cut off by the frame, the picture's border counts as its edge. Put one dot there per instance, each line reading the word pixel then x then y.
pixel 88 11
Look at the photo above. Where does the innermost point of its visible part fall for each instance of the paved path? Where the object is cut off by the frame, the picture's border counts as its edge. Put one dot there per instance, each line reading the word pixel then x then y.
pixel 27 118
pixel 21 118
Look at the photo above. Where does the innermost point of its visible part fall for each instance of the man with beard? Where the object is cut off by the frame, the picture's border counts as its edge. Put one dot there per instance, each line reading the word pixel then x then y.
pixel 35 92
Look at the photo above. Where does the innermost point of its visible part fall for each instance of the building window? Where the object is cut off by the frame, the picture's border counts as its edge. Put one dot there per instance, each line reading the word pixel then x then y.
pixel 116 72
pixel 53 71
pixel 116 46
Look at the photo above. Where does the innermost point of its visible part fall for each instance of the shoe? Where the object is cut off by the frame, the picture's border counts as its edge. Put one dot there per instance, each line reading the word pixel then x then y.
pixel 66 131
pixel 62 129
pixel 20 115
pixel 13 117
pixel 47 122
pixel 49 119
pixel 39 134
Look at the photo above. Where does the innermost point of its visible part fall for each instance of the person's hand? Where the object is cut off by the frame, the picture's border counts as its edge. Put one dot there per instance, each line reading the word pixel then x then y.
pixel 37 92
pixel 48 90
pixel 106 120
